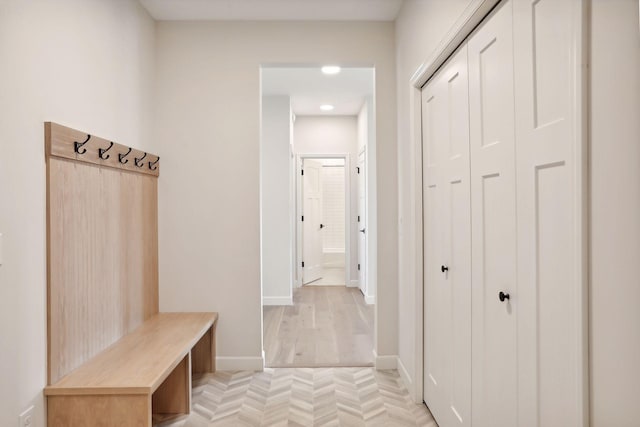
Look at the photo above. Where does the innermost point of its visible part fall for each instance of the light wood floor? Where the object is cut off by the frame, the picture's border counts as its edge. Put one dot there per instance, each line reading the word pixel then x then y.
pixel 331 276
pixel 349 397
pixel 326 326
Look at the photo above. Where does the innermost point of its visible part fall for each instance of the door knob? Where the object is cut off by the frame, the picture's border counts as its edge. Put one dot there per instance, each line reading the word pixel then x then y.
pixel 362 231
pixel 321 225
pixel 444 268
pixel 503 296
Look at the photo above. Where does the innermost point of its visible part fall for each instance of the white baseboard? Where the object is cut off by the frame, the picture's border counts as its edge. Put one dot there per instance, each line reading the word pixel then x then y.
pixel 354 283
pixel 277 300
pixel 385 363
pixel 369 299
pixel 239 363
pixel 406 379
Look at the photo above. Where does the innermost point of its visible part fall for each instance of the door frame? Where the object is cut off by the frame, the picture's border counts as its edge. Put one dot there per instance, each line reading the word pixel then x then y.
pixel 296 242
pixel 470 18
pixel 368 298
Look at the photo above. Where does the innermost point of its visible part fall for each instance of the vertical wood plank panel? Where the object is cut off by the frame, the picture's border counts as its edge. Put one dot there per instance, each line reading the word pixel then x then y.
pixel 103 258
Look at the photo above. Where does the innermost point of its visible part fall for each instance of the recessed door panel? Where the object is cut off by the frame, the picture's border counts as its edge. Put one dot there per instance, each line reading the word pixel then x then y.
pixel 549 24
pixel 460 300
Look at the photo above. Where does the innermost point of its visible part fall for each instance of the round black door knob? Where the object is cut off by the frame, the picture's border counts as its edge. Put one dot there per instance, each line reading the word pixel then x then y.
pixel 444 268
pixel 503 296
pixel 321 225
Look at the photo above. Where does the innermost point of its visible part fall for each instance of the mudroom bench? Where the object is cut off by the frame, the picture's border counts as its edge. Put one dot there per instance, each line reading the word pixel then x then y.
pixel 143 379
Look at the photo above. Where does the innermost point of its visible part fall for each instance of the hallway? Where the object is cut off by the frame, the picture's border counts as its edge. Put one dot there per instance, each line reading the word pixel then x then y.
pixel 326 326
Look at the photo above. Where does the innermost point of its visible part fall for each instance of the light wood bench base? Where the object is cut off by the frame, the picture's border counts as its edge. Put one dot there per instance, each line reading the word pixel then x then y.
pixel 142 379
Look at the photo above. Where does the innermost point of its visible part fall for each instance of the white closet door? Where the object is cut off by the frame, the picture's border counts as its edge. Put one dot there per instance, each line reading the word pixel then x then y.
pixel 493 208
pixel 448 252
pixel 550 292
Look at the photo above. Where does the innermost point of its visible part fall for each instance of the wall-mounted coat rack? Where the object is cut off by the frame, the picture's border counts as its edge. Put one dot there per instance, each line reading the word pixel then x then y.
pixel 80 146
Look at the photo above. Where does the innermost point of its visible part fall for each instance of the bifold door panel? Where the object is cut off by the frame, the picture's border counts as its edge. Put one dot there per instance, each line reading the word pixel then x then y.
pixel 493 204
pixel 550 323
pixel 447 253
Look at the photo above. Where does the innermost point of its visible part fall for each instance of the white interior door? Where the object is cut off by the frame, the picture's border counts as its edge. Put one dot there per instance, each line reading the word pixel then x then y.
pixel 311 230
pixel 362 224
pixel 550 292
pixel 447 257
pixel 493 207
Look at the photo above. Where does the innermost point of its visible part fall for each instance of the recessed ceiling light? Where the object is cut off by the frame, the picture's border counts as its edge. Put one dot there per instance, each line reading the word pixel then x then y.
pixel 331 69
pixel 327 107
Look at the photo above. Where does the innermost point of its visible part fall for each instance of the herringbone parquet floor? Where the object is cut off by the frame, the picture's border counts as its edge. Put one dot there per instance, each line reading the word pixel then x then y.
pixel 305 397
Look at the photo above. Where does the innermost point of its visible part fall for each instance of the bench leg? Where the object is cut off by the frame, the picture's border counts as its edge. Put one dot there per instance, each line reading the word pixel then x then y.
pixel 173 397
pixel 203 354
pixel 105 410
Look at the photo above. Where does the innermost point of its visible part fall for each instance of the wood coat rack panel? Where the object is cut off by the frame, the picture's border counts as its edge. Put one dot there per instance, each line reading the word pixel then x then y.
pixel 67 143
pixel 102 220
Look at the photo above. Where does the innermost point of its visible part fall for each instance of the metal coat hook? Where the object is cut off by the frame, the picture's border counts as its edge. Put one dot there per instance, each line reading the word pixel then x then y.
pixel 121 156
pixel 152 165
pixel 138 161
pixel 77 145
pixel 102 151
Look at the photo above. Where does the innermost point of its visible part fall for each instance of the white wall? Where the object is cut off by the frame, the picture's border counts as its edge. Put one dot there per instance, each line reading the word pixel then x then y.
pixel 275 203
pixel 420 26
pixel 333 135
pixel 363 127
pixel 87 64
pixel 615 213
pixel 325 134
pixel 208 102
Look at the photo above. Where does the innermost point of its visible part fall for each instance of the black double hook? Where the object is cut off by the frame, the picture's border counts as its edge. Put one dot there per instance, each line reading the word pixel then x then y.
pixel 78 145
pixel 121 157
pixel 103 151
pixel 138 161
pixel 152 165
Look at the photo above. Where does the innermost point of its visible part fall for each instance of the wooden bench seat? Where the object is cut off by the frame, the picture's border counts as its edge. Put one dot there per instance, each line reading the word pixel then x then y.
pixel 143 377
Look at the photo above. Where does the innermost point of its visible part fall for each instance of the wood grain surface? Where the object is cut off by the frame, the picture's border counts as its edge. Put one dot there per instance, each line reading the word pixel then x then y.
pixel 102 244
pixel 111 411
pixel 60 142
pixel 139 362
pixel 326 326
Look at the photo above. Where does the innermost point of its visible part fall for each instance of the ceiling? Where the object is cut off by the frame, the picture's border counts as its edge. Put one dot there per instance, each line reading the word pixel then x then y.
pixel 309 88
pixel 273 10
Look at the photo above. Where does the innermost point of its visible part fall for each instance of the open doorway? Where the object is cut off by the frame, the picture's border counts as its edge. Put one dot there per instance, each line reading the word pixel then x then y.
pixel 318 282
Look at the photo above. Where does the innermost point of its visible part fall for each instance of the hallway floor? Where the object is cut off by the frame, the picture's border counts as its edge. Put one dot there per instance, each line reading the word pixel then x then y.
pixel 331 276
pixel 305 398
pixel 326 326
